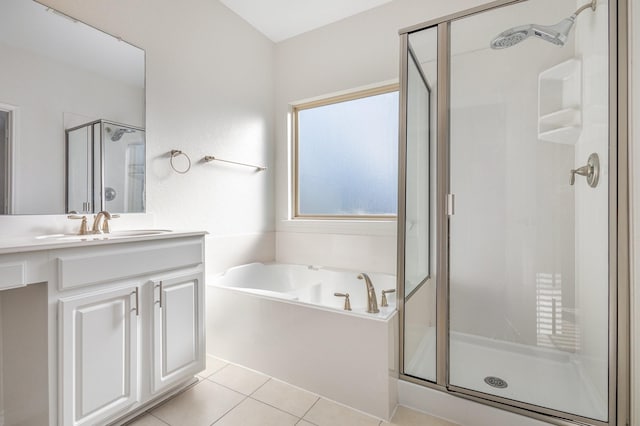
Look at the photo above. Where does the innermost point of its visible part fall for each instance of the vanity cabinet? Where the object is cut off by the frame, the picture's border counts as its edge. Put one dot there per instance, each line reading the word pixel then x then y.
pixel 121 328
pixel 99 349
pixel 178 334
pixel 139 335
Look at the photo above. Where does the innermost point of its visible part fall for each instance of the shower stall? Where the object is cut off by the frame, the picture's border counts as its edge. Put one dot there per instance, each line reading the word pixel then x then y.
pixel 105 168
pixel 513 218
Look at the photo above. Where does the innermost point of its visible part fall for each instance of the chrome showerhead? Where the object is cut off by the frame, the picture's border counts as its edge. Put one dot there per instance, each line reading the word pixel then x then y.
pixel 557 34
pixel 511 37
pixel 117 135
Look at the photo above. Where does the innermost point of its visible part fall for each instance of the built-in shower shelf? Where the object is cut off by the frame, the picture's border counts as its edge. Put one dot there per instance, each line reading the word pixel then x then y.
pixel 560 103
pixel 560 118
pixel 565 135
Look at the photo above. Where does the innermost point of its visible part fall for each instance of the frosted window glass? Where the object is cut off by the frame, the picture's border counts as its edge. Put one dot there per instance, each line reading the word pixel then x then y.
pixel 348 157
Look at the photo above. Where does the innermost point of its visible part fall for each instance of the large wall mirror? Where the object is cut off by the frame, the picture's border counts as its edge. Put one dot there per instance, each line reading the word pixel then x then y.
pixel 57 75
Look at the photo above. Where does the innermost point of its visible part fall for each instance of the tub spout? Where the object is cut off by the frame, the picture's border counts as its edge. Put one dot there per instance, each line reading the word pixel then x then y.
pixel 372 301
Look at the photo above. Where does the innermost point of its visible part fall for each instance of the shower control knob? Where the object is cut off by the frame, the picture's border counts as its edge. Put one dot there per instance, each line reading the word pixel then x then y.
pixel 591 171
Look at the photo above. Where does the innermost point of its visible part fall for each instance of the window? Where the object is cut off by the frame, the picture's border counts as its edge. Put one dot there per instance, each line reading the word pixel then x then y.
pixel 346 156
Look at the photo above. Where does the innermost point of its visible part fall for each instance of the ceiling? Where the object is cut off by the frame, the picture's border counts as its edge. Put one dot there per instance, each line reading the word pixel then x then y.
pixel 283 19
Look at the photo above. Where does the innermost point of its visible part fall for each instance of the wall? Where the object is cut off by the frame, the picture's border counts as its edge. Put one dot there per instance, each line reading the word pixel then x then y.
pixel 356 52
pixel 209 91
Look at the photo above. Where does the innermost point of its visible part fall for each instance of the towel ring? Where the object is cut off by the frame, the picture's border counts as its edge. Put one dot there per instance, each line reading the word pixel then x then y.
pixel 176 153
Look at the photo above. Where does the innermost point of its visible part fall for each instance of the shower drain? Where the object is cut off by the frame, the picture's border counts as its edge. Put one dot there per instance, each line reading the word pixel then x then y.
pixel 496 382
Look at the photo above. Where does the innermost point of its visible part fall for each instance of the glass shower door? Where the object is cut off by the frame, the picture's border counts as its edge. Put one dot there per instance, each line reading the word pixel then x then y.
pixel 528 239
pixel 419 345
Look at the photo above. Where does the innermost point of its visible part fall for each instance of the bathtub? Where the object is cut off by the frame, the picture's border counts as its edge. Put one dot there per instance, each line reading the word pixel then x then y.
pixel 285 321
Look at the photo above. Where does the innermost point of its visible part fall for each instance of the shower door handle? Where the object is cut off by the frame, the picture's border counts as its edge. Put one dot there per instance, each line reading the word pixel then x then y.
pixel 591 171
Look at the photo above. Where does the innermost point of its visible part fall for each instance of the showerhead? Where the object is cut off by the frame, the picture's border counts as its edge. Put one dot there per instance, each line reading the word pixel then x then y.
pixel 117 135
pixel 511 37
pixel 557 34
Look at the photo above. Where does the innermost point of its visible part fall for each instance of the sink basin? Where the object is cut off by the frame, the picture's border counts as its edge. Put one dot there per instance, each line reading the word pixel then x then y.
pixel 134 233
pixel 126 233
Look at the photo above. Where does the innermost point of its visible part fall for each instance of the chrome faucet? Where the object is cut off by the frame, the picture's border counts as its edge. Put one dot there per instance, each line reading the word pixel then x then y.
pixel 101 222
pixel 372 301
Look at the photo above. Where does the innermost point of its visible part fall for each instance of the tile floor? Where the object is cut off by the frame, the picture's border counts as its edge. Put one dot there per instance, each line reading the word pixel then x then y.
pixel 230 395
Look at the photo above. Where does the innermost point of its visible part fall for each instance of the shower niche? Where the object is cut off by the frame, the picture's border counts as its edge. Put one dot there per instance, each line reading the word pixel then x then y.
pixel 105 168
pixel 560 102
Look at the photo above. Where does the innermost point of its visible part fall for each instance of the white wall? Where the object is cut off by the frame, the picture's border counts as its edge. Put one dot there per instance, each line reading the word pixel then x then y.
pixel 358 51
pixel 209 91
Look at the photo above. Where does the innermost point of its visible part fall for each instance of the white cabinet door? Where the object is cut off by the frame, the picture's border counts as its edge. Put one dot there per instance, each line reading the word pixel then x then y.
pixel 99 355
pixel 178 331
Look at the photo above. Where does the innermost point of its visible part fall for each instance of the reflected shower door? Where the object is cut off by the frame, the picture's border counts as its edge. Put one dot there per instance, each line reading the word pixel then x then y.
pixel 528 249
pixel 419 258
pixel 124 168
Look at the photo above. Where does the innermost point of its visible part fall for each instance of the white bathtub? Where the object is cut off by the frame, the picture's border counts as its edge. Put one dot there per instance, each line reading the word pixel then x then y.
pixel 310 285
pixel 285 321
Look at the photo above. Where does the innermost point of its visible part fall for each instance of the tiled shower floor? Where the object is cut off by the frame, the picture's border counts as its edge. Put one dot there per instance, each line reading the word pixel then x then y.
pixel 229 395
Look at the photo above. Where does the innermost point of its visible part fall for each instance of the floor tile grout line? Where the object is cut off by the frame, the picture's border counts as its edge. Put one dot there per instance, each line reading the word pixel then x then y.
pixel 230 409
pixel 277 408
pixel 169 399
pixel 158 418
pixel 213 372
pixel 230 388
pixel 261 386
pixel 312 405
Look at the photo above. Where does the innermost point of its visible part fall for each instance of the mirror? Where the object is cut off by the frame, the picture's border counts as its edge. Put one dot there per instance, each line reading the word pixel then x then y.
pixel 59 74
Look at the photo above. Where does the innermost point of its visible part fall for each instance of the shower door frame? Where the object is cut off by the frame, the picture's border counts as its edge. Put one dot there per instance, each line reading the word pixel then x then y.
pixel 619 263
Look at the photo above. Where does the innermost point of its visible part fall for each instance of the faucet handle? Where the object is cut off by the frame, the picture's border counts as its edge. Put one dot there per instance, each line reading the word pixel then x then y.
pixel 83 225
pixel 383 301
pixel 347 304
pixel 105 223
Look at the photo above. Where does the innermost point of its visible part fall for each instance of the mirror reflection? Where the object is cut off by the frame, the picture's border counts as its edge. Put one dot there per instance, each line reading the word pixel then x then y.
pixel 60 74
pixel 105 168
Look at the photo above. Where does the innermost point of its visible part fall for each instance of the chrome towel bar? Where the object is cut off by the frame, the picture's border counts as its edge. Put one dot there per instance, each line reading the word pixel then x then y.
pixel 209 158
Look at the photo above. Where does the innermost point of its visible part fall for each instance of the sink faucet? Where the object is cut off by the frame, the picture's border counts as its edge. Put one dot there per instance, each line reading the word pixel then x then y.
pixel 372 301
pixel 101 222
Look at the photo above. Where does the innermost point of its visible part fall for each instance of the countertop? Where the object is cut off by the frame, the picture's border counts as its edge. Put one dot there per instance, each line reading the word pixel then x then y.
pixel 30 243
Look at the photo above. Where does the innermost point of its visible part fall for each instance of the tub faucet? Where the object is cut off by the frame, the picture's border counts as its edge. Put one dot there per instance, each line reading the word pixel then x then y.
pixel 372 301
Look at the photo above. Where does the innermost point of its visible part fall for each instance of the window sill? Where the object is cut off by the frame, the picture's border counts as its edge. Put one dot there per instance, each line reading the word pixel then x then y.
pixel 381 227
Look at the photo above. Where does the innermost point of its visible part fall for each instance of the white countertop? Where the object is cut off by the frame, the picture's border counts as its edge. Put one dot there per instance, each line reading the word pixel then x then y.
pixel 30 243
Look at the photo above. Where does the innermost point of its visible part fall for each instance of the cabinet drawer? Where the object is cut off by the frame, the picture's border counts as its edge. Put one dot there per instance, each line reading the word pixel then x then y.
pixel 79 267
pixel 12 275
pixel 21 269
